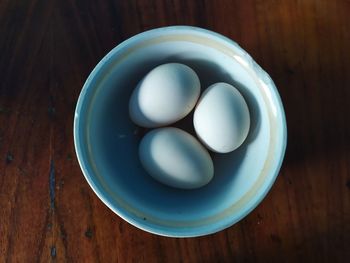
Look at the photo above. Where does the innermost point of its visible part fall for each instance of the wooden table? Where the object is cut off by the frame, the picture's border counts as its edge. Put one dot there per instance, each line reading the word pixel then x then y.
pixel 49 213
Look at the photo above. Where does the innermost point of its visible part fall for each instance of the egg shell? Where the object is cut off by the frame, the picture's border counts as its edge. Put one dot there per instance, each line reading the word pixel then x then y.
pixel 165 95
pixel 175 158
pixel 221 118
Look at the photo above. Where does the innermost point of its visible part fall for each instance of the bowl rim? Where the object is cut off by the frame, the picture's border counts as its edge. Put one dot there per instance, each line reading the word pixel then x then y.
pixel 152 228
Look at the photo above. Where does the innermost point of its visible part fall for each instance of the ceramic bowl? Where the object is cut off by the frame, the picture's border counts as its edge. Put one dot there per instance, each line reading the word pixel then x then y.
pixel 106 141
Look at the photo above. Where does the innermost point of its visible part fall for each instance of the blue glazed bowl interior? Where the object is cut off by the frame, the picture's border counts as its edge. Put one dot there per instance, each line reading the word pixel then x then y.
pixel 107 141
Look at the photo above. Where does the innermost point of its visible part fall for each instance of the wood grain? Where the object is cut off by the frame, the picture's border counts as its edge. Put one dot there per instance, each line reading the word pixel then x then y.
pixel 48 213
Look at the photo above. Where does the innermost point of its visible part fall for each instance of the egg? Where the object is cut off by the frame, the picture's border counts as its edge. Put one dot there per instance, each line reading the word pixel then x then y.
pixel 221 118
pixel 165 95
pixel 175 158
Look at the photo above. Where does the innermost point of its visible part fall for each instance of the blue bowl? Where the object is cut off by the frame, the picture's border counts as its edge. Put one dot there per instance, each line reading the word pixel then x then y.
pixel 106 141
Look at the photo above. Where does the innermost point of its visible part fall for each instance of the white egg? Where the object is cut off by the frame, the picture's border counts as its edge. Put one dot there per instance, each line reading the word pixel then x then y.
pixel 221 118
pixel 165 95
pixel 175 158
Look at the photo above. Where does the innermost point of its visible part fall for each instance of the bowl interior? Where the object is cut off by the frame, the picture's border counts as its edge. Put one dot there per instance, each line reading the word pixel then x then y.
pixel 107 141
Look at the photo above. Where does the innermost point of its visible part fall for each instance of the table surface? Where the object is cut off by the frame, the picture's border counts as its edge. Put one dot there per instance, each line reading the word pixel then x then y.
pixel 49 213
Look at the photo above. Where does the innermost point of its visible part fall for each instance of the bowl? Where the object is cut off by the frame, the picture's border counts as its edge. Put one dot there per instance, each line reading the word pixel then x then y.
pixel 106 141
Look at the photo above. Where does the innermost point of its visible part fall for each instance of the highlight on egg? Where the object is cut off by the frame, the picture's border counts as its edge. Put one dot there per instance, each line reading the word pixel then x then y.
pixel 175 158
pixel 165 95
pixel 221 118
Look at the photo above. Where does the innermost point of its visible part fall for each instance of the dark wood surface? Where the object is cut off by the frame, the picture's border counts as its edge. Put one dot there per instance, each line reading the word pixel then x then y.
pixel 49 213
